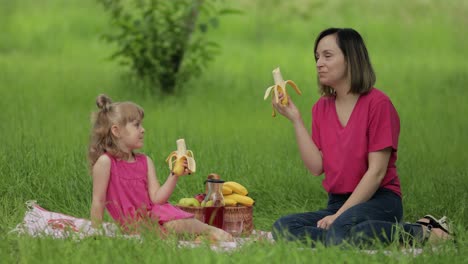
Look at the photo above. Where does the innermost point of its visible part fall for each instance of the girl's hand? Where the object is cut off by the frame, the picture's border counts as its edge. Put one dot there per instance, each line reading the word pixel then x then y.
pixel 290 110
pixel 186 170
pixel 327 221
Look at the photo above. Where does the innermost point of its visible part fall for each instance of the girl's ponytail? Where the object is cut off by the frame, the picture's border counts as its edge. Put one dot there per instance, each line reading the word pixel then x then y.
pixel 101 137
pixel 103 102
pixel 102 140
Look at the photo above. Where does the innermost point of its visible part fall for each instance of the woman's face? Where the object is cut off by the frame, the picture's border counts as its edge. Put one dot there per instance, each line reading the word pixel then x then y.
pixel 331 64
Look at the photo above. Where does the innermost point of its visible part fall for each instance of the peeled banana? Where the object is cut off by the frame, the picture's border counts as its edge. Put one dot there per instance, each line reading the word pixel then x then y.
pixel 177 158
pixel 280 87
pixel 242 199
pixel 236 187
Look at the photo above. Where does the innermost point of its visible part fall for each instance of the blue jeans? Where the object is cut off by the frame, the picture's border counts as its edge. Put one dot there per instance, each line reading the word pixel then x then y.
pixel 378 218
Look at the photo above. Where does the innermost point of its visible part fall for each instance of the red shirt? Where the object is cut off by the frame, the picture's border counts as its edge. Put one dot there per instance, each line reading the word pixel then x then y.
pixel 373 125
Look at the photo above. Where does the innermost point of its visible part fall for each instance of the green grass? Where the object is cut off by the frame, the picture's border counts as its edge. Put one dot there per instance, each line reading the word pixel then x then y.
pixel 53 64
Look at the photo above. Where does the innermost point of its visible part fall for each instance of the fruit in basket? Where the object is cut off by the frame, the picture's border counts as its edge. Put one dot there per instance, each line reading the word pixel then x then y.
pixel 241 199
pixel 230 202
pixel 236 187
pixel 177 158
pixel 189 202
pixel 182 201
pixel 226 190
pixel 193 202
pixel 207 204
pixel 200 197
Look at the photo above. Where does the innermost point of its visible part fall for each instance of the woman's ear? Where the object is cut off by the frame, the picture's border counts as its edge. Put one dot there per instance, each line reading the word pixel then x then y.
pixel 115 131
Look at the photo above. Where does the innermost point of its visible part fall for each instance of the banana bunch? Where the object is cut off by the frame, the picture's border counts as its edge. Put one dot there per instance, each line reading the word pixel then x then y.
pixel 280 87
pixel 234 193
pixel 176 159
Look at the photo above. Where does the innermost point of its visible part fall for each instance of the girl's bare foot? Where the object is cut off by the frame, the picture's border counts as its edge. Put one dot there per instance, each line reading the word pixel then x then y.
pixel 219 235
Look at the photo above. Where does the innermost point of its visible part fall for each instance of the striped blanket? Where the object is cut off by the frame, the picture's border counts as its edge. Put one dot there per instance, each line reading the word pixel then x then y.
pixel 39 222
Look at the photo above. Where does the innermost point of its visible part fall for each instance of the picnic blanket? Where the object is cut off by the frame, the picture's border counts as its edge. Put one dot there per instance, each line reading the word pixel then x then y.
pixel 39 222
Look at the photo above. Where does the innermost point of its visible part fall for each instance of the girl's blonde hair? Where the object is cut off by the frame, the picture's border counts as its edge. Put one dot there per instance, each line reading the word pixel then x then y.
pixel 102 140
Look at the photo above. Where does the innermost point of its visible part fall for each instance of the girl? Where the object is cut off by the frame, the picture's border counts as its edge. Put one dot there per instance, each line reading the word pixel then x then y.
pixel 354 142
pixel 125 182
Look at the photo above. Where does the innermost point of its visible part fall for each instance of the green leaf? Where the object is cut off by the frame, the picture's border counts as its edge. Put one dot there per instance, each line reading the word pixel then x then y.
pixel 154 37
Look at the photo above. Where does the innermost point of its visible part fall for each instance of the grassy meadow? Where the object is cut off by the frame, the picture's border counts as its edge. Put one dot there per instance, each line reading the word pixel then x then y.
pixel 53 64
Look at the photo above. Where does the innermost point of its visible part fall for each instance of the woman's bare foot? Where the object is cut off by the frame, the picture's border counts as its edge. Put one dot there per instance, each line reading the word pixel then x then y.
pixel 433 235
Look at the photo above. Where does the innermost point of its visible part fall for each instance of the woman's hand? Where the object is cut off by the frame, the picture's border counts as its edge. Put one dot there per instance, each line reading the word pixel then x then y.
pixel 290 110
pixel 327 221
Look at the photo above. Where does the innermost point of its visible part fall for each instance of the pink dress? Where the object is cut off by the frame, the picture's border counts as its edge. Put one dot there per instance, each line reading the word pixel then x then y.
pixel 127 198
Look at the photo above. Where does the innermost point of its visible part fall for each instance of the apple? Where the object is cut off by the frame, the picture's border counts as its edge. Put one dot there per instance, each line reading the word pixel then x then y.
pixel 207 204
pixel 189 202
pixel 200 197
pixel 182 201
pixel 193 202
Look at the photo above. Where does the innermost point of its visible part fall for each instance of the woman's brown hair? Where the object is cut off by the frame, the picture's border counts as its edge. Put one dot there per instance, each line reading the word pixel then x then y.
pixel 358 62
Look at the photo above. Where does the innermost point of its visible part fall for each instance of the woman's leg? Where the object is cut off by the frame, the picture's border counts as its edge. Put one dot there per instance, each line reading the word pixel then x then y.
pixel 303 226
pixel 368 232
pixel 194 226
pixel 433 235
pixel 300 226
pixel 384 206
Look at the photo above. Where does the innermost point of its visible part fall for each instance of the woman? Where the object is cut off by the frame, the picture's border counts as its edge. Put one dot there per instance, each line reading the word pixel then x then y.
pixel 354 143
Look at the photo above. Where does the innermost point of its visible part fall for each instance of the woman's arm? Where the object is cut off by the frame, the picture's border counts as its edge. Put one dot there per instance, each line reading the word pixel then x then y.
pixel 370 182
pixel 101 175
pixel 160 194
pixel 310 154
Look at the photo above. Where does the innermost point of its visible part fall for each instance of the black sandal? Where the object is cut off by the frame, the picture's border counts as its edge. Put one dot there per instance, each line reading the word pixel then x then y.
pixel 435 223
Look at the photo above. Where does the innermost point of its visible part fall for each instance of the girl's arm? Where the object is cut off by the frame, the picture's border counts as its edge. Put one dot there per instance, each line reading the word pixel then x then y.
pixel 370 182
pixel 310 154
pixel 159 194
pixel 101 174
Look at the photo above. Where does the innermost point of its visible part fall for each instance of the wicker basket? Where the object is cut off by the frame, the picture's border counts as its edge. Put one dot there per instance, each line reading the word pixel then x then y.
pixel 235 217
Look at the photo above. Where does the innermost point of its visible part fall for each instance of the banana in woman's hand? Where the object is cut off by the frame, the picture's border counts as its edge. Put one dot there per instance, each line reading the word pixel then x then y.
pixel 280 88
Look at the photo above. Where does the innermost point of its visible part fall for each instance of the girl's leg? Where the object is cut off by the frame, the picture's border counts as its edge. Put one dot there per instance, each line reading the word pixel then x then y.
pixel 194 226
pixel 384 206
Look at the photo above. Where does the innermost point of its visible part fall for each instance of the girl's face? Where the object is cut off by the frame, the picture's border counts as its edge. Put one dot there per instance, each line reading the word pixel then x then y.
pixel 132 135
pixel 331 64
